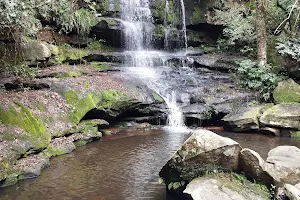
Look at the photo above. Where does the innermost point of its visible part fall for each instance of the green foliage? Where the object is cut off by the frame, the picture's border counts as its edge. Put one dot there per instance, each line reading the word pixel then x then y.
pixel 20 70
pixel 239 22
pixel 66 53
pixel 19 16
pixel 290 48
pixel 25 16
pixel 257 78
pixel 101 66
pixel 175 185
pixel 24 119
pixel 99 45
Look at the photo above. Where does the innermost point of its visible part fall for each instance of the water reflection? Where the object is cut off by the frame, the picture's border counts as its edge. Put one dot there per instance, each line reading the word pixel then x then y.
pixel 119 167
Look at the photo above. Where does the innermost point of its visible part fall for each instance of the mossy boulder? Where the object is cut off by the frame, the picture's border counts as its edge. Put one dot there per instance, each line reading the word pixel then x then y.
pixel 60 146
pixel 108 101
pixel 287 91
pixel 20 116
pixel 245 118
pixel 221 186
pixel 283 116
pixel 203 152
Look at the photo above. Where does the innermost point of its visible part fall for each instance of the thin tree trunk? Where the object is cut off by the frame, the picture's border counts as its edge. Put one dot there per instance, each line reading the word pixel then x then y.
pixel 261 32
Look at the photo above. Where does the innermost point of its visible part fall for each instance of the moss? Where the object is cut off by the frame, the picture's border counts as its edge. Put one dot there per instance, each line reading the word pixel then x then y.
pixel 67 53
pixel 104 100
pixel 80 143
pixel 287 91
pixel 34 128
pixel 51 151
pixel 239 183
pixel 158 98
pixel 198 15
pixel 159 30
pixel 295 134
pixel 101 66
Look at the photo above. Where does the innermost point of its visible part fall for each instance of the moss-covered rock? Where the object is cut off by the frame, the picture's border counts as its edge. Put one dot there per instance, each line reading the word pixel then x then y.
pixel 219 186
pixel 245 118
pixel 21 117
pixel 283 116
pixel 287 91
pixel 60 146
pixel 108 101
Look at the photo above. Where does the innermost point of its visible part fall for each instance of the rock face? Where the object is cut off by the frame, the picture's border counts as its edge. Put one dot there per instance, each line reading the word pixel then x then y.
pixel 224 187
pixel 287 91
pixel 203 151
pixel 245 118
pixel 282 115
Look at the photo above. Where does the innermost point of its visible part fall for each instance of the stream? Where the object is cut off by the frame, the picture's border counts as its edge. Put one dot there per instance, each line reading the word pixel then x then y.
pixel 120 167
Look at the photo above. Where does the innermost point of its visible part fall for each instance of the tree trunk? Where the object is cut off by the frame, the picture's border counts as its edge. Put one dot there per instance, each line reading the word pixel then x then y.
pixel 261 32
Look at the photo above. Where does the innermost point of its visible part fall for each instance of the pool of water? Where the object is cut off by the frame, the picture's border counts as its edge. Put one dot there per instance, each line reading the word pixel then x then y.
pixel 119 167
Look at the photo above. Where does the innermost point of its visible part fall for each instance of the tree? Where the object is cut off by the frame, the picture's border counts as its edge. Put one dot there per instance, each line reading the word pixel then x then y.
pixel 261 32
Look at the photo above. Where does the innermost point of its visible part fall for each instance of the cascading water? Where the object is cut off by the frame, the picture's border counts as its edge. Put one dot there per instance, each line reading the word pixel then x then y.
pixel 143 63
pixel 183 23
pixel 170 28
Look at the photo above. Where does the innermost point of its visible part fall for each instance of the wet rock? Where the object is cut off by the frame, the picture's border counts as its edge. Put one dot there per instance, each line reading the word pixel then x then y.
pixel 287 91
pixel 32 166
pixel 216 62
pixel 244 118
pixel 197 111
pixel 109 29
pixel 282 115
pixel 292 192
pixel 203 151
pixel 253 166
pixel 105 57
pixel 224 187
pixel 60 146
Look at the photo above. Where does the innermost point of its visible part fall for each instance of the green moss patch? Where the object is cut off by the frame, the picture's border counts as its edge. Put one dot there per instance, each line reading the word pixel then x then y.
pixel 101 66
pixel 34 128
pixel 287 92
pixel 104 100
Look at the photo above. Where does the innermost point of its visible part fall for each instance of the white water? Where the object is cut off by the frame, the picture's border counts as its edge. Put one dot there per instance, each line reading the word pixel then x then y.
pixel 183 23
pixel 171 29
pixel 142 63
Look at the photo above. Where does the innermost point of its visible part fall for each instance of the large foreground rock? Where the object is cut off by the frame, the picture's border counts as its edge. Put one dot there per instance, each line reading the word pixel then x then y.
pixel 203 151
pixel 281 167
pixel 224 187
pixel 282 115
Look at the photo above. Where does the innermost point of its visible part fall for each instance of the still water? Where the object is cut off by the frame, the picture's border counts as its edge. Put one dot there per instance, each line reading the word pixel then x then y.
pixel 119 167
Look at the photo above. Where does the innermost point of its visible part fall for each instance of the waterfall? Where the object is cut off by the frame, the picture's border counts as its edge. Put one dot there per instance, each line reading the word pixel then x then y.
pixel 183 23
pixel 178 7
pixel 141 62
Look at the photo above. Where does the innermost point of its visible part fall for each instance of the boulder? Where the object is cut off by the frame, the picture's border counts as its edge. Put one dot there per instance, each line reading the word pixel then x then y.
pixel 244 118
pixel 283 164
pixel 253 166
pixel 202 152
pixel 32 166
pixel 282 115
pixel 287 91
pixel 224 187
pixel 292 192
